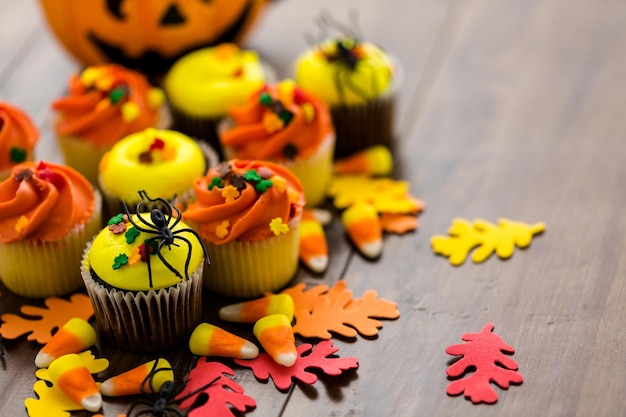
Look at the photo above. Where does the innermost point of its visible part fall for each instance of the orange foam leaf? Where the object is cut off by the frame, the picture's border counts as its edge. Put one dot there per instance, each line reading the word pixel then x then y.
pixel 56 313
pixel 398 223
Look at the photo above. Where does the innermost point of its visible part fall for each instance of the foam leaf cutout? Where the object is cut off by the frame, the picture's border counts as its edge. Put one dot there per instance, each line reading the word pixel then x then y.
pixel 265 367
pixel 222 394
pixel 484 353
pixel 57 312
pixel 52 402
pixel 384 194
pixel 486 237
pixel 318 313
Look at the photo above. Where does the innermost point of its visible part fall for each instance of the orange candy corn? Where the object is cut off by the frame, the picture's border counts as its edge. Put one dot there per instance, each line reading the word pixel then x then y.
pixel 364 228
pixel 71 376
pixel 251 311
pixel 210 340
pixel 313 246
pixel 129 382
pixel 75 336
pixel 276 336
pixel 376 160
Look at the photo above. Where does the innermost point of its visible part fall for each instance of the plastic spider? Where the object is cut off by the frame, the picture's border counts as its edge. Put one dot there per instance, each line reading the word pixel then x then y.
pixel 162 231
pixel 163 403
pixel 345 54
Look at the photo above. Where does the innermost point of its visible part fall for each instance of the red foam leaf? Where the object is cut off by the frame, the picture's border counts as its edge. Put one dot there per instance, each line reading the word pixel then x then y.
pixel 265 367
pixel 483 352
pixel 223 394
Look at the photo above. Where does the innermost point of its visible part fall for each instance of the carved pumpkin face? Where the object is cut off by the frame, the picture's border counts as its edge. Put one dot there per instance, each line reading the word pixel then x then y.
pixel 149 35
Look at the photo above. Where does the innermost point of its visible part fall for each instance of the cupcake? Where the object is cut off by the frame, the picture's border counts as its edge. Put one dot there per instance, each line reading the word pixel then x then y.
pixel 287 125
pixel 18 137
pixel 203 84
pixel 105 103
pixel 48 213
pixel 161 162
pixel 248 215
pixel 143 274
pixel 358 81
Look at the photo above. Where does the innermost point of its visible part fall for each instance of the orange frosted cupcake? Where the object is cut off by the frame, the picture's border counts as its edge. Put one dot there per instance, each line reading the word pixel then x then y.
pixel 48 213
pixel 287 125
pixel 18 137
pixel 105 103
pixel 248 215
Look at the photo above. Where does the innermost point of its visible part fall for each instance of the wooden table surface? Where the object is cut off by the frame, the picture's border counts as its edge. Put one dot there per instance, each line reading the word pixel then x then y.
pixel 511 109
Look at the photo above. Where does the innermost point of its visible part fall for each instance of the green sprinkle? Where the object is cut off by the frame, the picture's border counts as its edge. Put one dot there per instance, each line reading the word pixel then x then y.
pixel 263 185
pixel 116 95
pixel 131 234
pixel 120 260
pixel 216 182
pixel 285 116
pixel 17 154
pixel 265 99
pixel 115 219
pixel 252 175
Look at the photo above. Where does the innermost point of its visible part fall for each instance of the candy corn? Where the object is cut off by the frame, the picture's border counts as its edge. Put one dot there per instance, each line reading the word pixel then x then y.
pixel 210 340
pixel 70 375
pixel 74 337
pixel 364 228
pixel 313 246
pixel 376 160
pixel 129 382
pixel 276 336
pixel 251 311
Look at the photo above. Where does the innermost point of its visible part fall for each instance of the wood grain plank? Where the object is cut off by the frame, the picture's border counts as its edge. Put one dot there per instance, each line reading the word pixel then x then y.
pixel 524 121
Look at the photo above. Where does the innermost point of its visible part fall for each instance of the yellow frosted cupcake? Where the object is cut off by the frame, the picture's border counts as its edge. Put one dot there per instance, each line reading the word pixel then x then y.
pixel 203 84
pixel 143 274
pixel 248 215
pixel 18 137
pixel 48 212
pixel 161 162
pixel 358 81
pixel 105 103
pixel 287 125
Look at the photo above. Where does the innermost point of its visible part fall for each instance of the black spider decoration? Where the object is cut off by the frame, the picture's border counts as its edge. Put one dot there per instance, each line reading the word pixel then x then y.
pixel 345 55
pixel 161 228
pixel 163 403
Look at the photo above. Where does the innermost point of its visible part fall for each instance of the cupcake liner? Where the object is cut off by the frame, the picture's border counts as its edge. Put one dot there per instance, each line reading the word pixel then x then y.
pixel 203 129
pixel 145 321
pixel 38 270
pixel 250 269
pixel 362 126
pixel 315 172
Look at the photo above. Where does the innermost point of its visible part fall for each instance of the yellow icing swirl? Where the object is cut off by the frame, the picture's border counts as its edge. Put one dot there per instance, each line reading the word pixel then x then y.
pixel 208 81
pixel 161 162
pixel 325 71
pixel 120 264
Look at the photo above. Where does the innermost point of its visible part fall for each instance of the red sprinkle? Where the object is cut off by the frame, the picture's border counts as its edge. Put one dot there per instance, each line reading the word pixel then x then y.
pixel 157 144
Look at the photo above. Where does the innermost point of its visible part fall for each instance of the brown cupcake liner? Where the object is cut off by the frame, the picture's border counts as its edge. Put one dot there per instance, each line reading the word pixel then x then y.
pixel 145 321
pixel 203 129
pixel 44 269
pixel 359 127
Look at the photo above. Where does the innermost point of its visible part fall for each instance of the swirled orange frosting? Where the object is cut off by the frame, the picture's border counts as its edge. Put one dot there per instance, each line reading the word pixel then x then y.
pixel 107 102
pixel 18 136
pixel 43 201
pixel 245 200
pixel 280 123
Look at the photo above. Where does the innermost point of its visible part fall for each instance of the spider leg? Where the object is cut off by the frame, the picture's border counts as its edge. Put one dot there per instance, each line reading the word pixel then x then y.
pixel 167 264
pixel 147 249
pixel 148 379
pixel 136 403
pixel 178 216
pixel 193 232
pixel 151 228
pixel 338 86
pixel 184 239
pixel 197 390
pixel 354 88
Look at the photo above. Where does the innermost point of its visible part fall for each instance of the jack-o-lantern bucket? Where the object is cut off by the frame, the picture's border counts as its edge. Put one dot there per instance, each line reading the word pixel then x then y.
pixel 148 35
